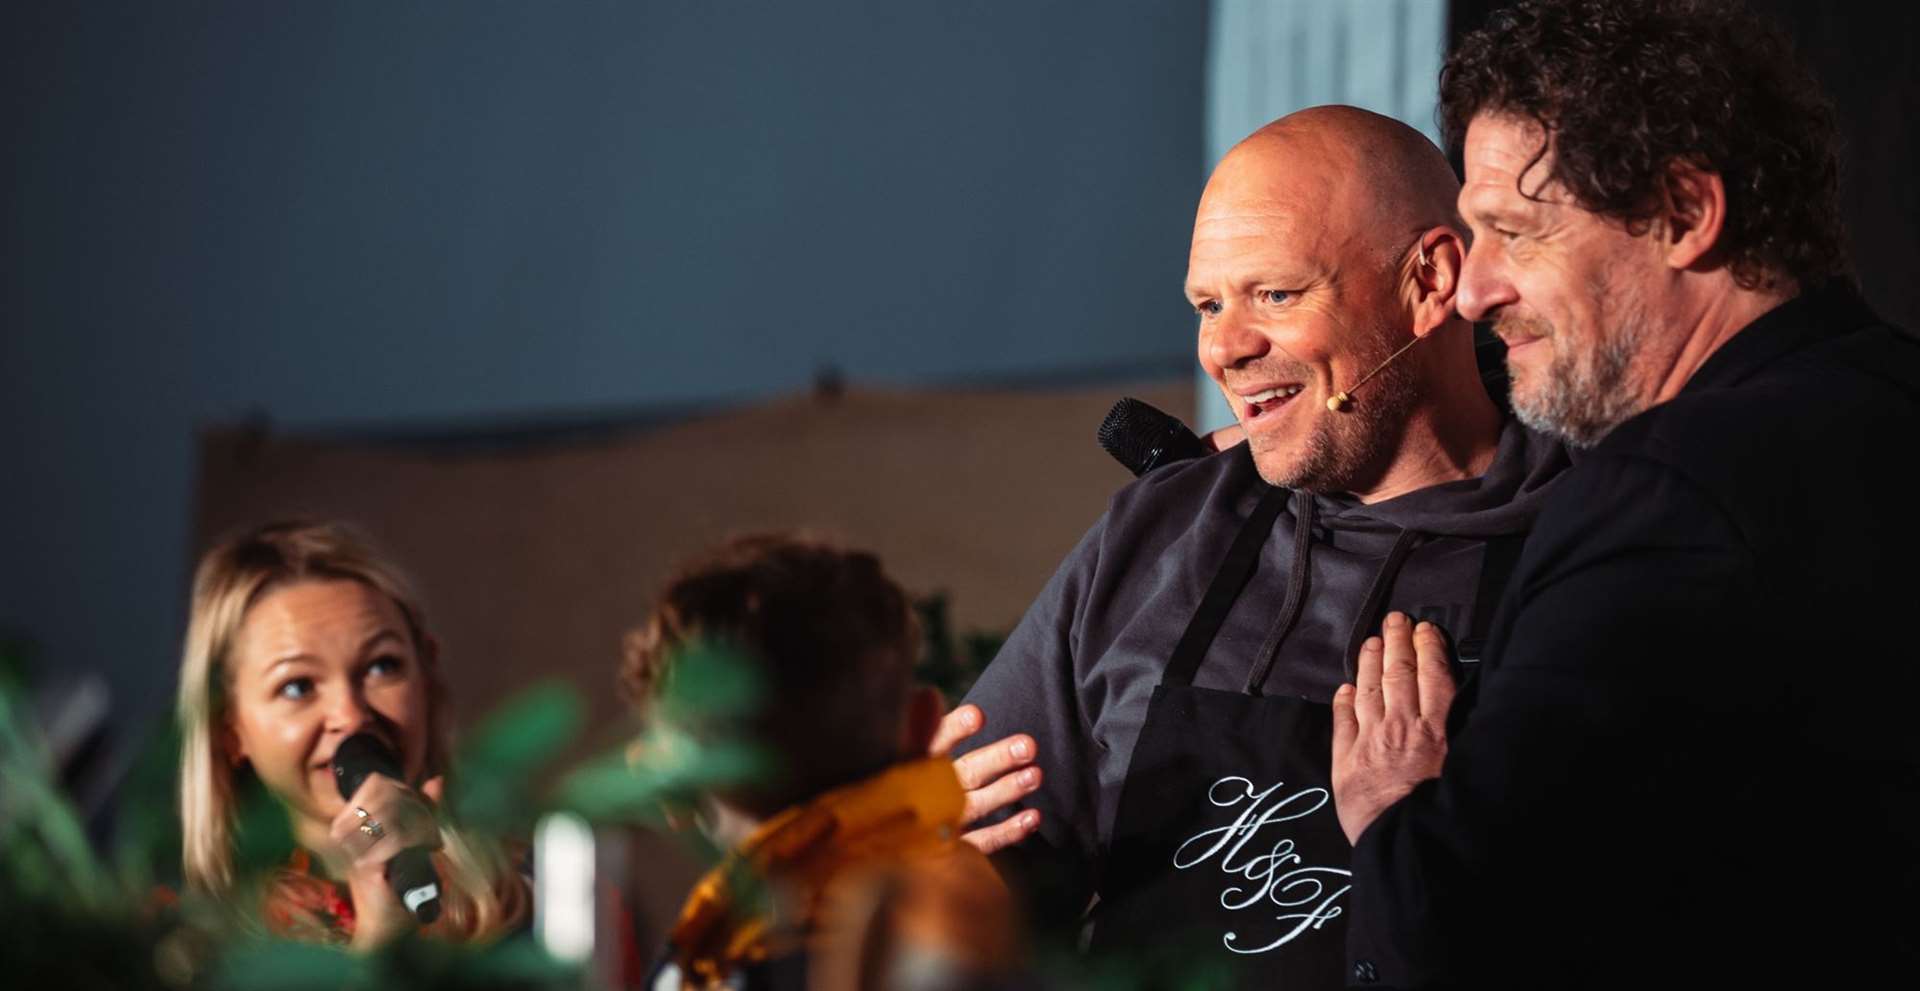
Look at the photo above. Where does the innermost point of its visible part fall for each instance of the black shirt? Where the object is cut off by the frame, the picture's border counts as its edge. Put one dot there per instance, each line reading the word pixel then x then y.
pixel 1690 756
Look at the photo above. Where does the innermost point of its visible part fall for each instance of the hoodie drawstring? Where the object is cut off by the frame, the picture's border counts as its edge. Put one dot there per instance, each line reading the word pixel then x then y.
pixel 1296 594
pixel 1364 621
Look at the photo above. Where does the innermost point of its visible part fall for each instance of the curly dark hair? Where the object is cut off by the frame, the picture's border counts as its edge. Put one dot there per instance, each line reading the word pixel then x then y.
pixel 1627 88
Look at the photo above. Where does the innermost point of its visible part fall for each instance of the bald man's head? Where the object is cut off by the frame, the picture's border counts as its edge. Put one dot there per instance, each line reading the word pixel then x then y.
pixel 1361 174
pixel 1323 243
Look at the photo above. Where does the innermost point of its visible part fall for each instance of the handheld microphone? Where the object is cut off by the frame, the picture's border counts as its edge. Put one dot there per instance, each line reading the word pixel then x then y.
pixel 1143 438
pixel 410 871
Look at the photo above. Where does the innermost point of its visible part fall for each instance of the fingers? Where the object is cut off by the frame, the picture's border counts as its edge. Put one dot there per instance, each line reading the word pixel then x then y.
pixel 994 777
pixel 1002 835
pixel 1388 725
pixel 1367 708
pixel 434 788
pixel 1436 681
pixel 1399 678
pixel 397 818
pixel 997 795
pixel 1346 725
pixel 957 725
pixel 994 761
pixel 378 852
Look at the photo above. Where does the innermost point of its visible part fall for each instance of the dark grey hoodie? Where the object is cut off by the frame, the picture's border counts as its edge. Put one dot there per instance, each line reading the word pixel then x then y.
pixel 1078 671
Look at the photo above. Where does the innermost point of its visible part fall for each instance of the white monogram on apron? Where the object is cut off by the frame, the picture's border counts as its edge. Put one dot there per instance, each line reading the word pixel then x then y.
pixel 1264 872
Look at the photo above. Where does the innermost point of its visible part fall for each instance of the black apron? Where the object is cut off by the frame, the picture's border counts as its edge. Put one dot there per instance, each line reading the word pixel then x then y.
pixel 1228 867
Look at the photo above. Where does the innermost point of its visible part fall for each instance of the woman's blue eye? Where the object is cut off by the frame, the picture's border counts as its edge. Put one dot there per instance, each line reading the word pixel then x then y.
pixel 385 665
pixel 1276 295
pixel 295 689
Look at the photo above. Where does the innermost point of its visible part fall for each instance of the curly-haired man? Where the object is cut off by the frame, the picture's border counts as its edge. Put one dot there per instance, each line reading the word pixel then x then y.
pixel 1687 757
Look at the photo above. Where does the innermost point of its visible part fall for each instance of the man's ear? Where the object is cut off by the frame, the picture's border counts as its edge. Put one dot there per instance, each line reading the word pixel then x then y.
pixel 1434 278
pixel 925 706
pixel 1696 211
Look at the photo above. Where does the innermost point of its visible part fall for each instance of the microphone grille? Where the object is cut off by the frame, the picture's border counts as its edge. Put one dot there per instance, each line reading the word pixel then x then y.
pixel 360 755
pixel 1132 432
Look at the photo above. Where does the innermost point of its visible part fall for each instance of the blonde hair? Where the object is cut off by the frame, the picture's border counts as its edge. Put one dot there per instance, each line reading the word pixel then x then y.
pixel 482 896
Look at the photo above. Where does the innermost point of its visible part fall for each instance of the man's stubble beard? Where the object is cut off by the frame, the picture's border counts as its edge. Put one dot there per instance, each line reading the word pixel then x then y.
pixel 1343 447
pixel 1587 391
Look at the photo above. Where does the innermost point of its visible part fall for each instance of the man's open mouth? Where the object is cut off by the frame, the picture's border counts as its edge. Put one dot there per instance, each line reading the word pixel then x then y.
pixel 1261 403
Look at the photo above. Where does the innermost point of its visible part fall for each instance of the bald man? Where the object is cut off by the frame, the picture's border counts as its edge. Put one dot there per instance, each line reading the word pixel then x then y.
pixel 1168 694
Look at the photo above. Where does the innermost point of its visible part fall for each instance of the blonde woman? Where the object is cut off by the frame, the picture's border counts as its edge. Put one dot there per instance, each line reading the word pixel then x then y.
pixel 301 636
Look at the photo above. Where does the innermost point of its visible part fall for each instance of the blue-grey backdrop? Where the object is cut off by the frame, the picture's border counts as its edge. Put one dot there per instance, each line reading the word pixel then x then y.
pixel 365 213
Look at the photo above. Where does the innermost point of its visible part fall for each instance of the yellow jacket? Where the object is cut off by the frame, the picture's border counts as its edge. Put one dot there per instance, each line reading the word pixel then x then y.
pixel 871 882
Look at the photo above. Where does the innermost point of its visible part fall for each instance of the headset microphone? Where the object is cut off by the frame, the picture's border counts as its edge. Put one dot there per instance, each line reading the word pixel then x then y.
pixel 1342 401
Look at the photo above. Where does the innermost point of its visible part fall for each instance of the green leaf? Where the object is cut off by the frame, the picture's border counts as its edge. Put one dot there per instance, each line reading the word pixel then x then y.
pixel 669 767
pixel 500 765
pixel 529 730
pixel 515 962
pixel 31 805
pixel 262 835
pixel 147 846
pixel 282 965
pixel 710 682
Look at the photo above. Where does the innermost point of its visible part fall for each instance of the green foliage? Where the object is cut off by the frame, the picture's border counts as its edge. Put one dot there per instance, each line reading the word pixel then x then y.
pixel 41 836
pixel 497 788
pixel 147 839
pixel 691 742
pixel 67 921
pixel 262 837
pixel 279 965
pixel 710 682
pixel 282 965
pixel 73 920
pixel 14 653
pixel 1142 968
pixel 668 767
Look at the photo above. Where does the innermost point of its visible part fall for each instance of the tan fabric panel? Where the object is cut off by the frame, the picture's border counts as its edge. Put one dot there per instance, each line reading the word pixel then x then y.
pixel 534 558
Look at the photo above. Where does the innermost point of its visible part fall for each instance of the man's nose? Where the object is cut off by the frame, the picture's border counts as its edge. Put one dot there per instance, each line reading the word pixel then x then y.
pixel 1484 286
pixel 1233 340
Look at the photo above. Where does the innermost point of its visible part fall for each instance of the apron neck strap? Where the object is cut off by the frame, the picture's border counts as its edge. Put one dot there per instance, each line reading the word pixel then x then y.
pixel 1233 576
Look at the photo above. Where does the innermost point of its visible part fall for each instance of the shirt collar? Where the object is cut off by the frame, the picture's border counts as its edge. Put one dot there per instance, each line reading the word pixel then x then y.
pixel 1798 323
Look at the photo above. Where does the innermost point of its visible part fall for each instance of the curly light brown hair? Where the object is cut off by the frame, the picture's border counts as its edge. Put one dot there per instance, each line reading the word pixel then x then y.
pixel 1625 89
pixel 829 636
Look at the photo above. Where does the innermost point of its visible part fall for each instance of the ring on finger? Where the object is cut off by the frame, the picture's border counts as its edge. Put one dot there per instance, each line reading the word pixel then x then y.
pixel 368 824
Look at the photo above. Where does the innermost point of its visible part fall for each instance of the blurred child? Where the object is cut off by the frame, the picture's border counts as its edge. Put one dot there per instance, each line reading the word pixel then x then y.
pixel 845 866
